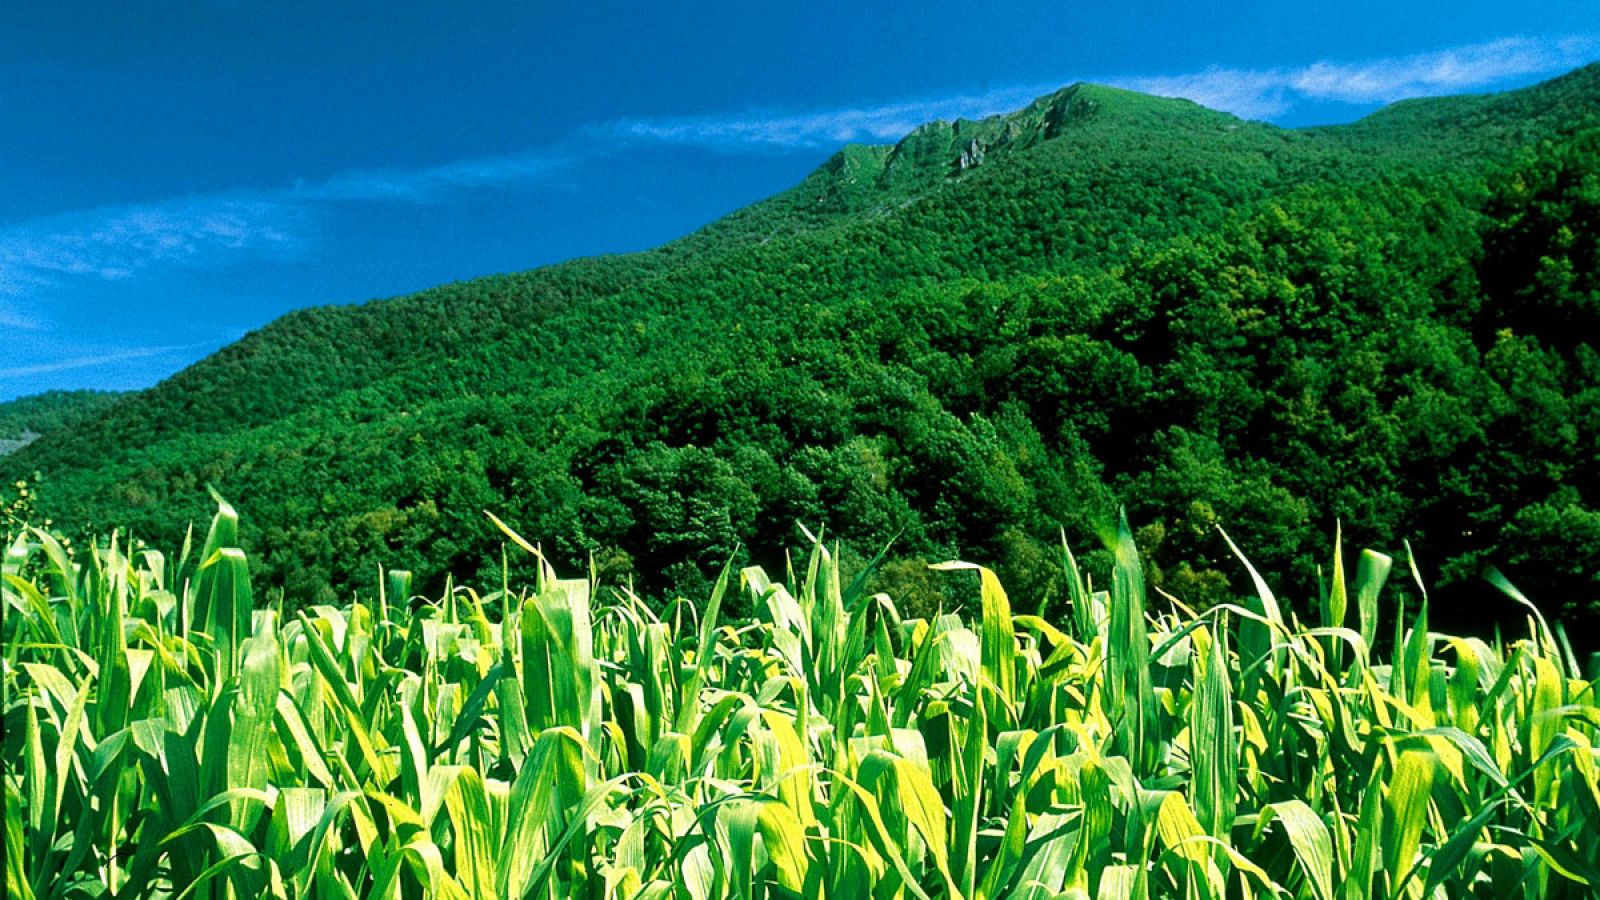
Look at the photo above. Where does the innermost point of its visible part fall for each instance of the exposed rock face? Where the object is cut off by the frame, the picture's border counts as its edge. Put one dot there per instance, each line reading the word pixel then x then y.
pixel 942 150
pixel 972 156
pixel 11 445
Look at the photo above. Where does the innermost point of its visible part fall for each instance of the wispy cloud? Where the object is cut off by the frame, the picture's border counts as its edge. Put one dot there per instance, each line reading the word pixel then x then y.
pixel 432 184
pixel 1265 93
pixel 93 360
pixel 14 318
pixel 823 127
pixel 117 242
pixel 1251 93
pixel 1460 69
pixel 114 243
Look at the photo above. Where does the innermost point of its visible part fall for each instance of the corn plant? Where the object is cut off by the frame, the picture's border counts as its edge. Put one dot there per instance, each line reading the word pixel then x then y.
pixel 167 735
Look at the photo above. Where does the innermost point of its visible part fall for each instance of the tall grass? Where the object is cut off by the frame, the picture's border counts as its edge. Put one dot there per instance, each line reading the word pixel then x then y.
pixel 167 737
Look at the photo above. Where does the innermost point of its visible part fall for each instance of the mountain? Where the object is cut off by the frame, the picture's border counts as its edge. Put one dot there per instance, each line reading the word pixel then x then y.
pixel 963 342
pixel 25 420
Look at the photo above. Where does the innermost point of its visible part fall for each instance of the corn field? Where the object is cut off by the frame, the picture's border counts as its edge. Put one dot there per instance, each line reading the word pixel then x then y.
pixel 167 736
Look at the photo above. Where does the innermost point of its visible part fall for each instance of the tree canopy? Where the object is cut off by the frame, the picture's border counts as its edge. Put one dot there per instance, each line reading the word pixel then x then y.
pixel 965 344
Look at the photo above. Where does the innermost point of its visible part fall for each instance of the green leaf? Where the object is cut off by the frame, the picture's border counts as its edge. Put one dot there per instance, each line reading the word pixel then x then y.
pixel 1406 807
pixel 1371 573
pixel 1312 843
pixel 1214 750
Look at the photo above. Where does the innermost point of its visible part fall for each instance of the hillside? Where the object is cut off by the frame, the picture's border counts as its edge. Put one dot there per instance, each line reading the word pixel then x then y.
pixel 963 342
pixel 26 419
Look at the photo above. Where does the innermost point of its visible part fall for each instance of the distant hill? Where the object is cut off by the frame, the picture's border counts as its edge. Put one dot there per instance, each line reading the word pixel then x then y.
pixel 26 419
pixel 963 342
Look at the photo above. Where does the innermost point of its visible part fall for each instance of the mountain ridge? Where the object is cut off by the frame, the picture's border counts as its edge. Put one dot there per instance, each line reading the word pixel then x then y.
pixel 820 356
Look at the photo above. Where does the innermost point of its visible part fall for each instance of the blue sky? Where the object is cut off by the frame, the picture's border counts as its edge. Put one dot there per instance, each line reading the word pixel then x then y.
pixel 173 175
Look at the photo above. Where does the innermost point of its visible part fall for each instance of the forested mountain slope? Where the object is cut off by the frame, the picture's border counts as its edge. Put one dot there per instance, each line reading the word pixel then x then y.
pixel 963 342
pixel 24 420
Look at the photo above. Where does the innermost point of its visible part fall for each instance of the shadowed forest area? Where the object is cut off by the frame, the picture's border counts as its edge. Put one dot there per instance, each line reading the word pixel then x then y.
pixel 962 346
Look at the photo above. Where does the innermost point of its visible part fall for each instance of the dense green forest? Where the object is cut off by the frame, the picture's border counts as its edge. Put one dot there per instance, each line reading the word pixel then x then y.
pixel 968 343
pixel 25 420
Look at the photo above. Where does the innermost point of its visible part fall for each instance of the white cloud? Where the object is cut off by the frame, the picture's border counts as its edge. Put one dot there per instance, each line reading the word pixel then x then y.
pixel 1447 71
pixel 117 242
pixel 90 361
pixel 113 243
pixel 1243 92
pixel 12 318
pixel 825 127
pixel 1250 93
pixel 430 184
